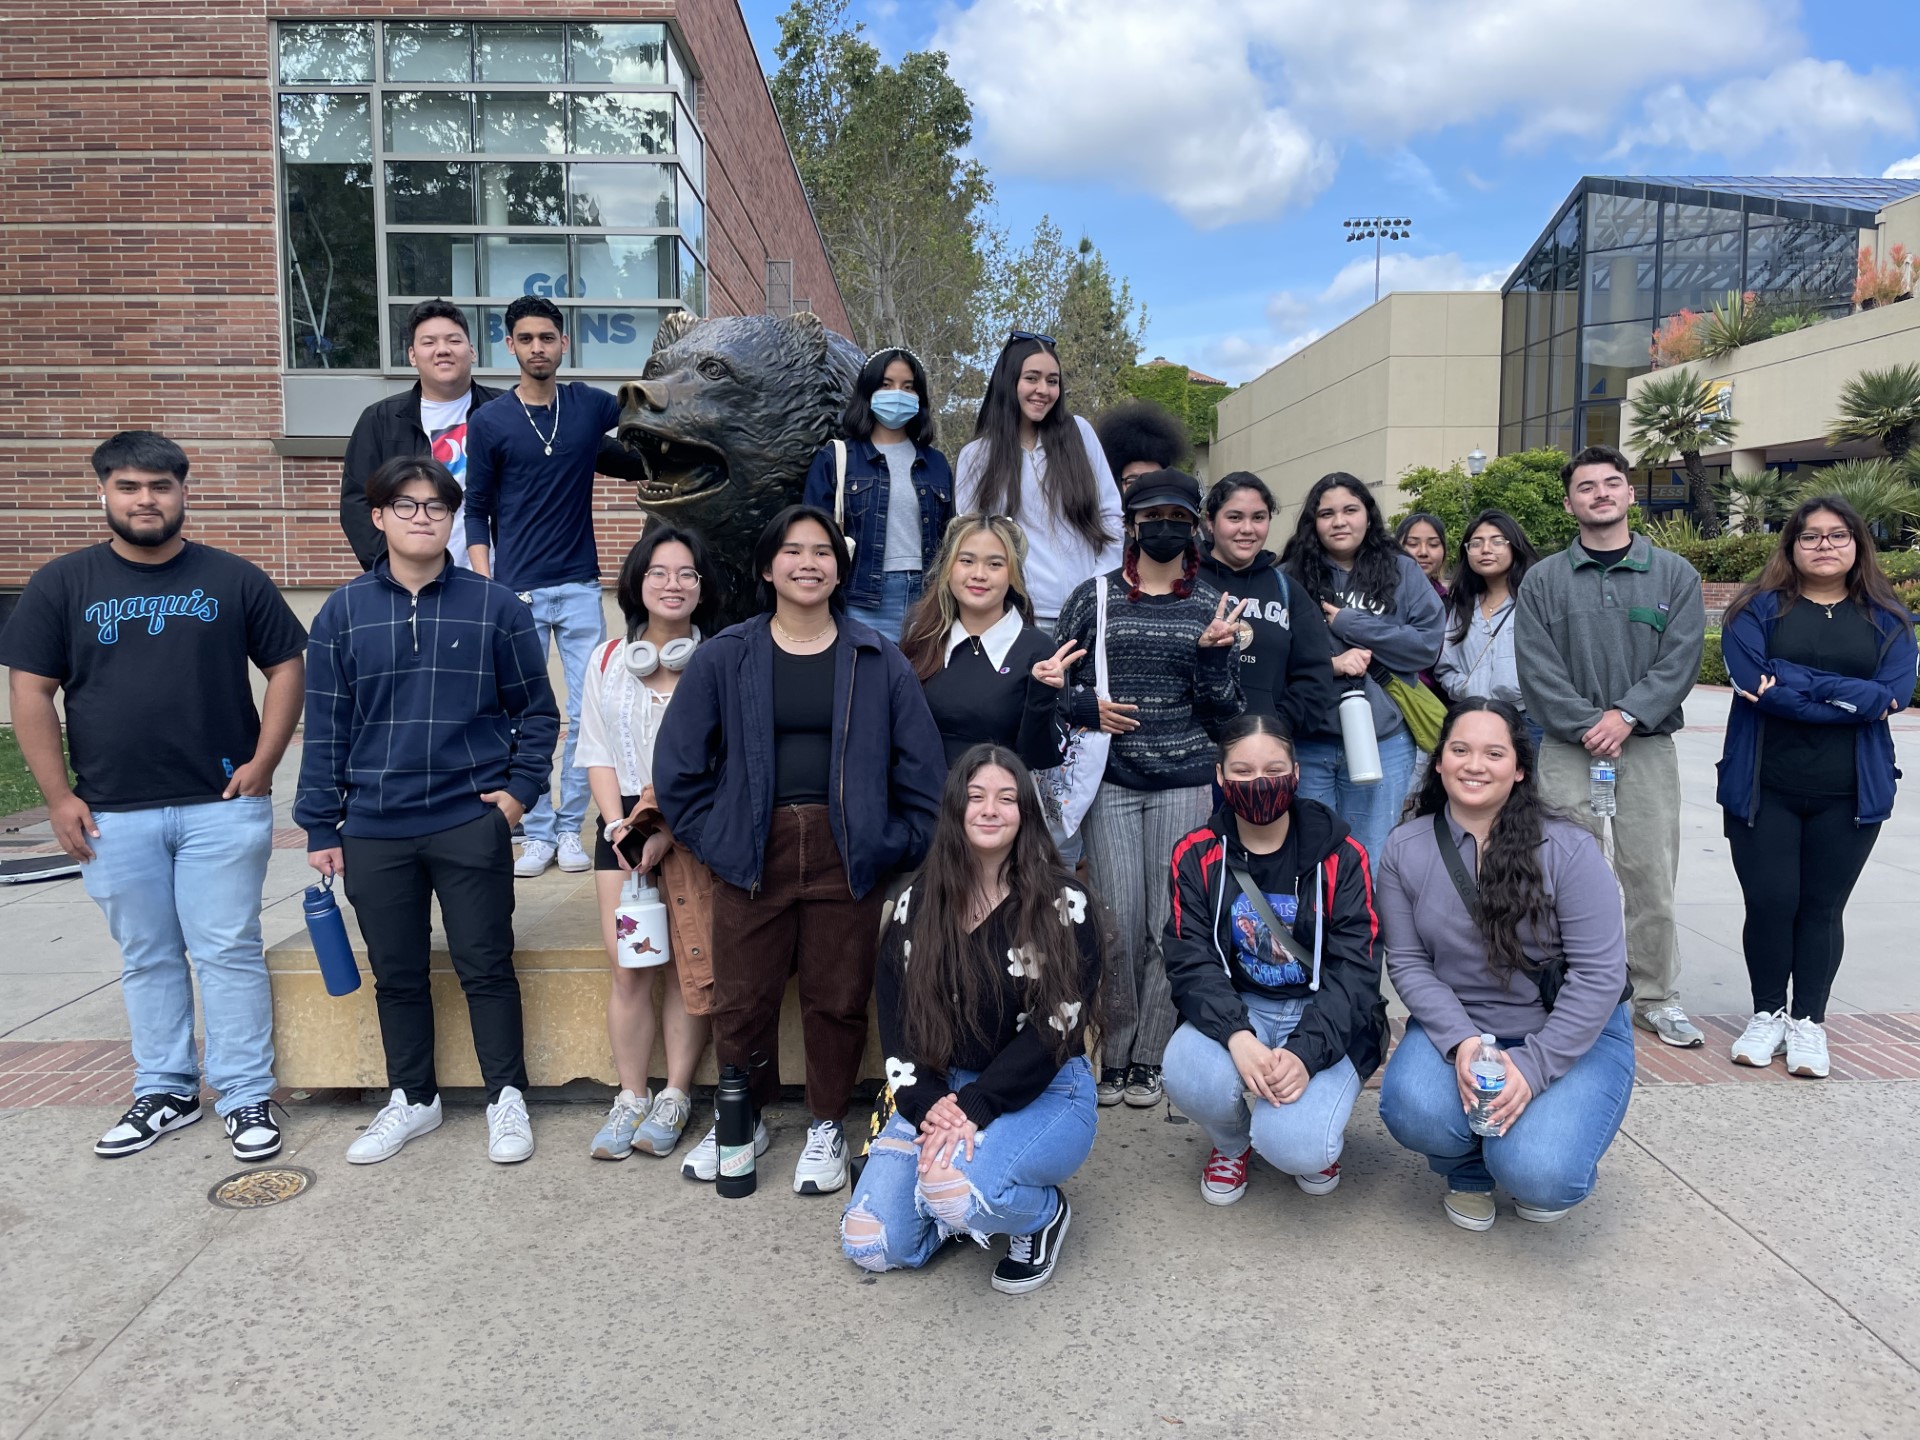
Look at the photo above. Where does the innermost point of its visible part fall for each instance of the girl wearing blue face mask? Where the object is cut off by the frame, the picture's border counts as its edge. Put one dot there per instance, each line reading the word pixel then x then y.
pixel 890 489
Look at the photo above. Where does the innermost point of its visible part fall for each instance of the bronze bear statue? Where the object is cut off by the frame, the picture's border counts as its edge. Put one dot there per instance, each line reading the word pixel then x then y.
pixel 726 417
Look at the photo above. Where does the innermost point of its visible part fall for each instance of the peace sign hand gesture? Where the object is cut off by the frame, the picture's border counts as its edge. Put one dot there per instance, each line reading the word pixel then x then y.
pixel 1225 628
pixel 1053 670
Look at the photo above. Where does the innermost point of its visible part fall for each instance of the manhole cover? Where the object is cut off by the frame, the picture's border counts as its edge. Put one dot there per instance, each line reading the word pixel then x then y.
pixel 256 1189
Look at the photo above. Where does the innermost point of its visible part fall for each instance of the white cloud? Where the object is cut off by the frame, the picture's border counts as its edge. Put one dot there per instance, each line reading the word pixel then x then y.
pixel 1907 169
pixel 1408 272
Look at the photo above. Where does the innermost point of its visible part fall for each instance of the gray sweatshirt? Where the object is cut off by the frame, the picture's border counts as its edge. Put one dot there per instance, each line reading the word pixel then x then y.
pixel 1437 957
pixel 1405 642
pixel 1629 638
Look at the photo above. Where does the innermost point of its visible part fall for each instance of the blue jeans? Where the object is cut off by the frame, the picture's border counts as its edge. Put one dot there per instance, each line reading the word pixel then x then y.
pixel 1302 1138
pixel 184 880
pixel 1549 1157
pixel 1008 1186
pixel 569 616
pixel 1371 811
pixel 899 589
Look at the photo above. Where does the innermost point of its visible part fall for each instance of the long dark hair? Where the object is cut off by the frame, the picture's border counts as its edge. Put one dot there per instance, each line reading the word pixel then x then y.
pixel 1376 568
pixel 633 571
pixel 1513 894
pixel 1420 517
pixel 857 423
pixel 1067 488
pixel 940 995
pixel 775 535
pixel 1867 587
pixel 1467 585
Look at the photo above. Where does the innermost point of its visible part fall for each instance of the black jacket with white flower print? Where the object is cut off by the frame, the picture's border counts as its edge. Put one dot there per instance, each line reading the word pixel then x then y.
pixel 1016 1064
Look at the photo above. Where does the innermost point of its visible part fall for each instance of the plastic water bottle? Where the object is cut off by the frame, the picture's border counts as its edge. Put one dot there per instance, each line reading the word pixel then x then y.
pixel 1489 1071
pixel 733 1132
pixel 328 932
pixel 1600 778
pixel 1362 745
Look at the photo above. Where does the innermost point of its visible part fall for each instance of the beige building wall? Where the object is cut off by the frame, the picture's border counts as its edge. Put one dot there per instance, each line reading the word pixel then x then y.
pixel 1899 225
pixel 1412 380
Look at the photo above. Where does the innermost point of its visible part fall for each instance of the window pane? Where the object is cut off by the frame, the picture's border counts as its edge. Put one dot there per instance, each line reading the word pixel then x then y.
pixel 1680 222
pixel 621 194
pixel 323 54
pixel 693 282
pixel 1620 286
pixel 430 265
pixel 1509 439
pixel 1566 310
pixel 525 54
pixel 1561 391
pixel 693 217
pixel 1613 354
pixel 618 338
pixel 620 54
pixel 490 339
pixel 1560 432
pixel 438 53
pixel 397 329
pixel 1533 434
pixel 1616 220
pixel 1697 273
pixel 1513 329
pixel 1536 381
pixel 1539 316
pixel 626 267
pixel 1513 369
pixel 521 195
pixel 421 123
pixel 677 75
pixel 693 153
pixel 513 265
pixel 1602 425
pixel 522 123
pixel 326 129
pixel 430 192
pixel 622 124
pixel 1804 258
pixel 332 319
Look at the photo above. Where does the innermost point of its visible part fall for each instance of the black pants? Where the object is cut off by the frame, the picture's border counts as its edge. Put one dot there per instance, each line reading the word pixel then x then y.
pixel 389 882
pixel 1797 865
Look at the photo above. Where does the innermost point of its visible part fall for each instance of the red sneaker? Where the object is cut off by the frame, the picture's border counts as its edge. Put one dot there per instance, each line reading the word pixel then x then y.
pixel 1325 1183
pixel 1225 1178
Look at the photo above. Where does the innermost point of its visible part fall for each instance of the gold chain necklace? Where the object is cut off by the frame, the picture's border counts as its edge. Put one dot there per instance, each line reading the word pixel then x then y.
pixel 787 634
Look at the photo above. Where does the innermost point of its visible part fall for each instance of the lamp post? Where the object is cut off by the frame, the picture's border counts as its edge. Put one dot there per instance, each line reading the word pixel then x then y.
pixel 1378 228
pixel 1476 460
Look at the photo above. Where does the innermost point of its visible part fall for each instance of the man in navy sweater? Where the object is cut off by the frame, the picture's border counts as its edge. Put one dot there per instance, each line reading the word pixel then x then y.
pixel 430 730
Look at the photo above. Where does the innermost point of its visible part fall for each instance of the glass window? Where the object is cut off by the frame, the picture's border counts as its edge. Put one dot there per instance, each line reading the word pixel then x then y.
pixel 1560 431
pixel 693 282
pixel 430 192
pixel 1601 425
pixel 430 264
pixel 513 265
pixel 1513 371
pixel 325 54
pixel 692 218
pixel 1509 439
pixel 626 267
pixel 1620 285
pixel 613 338
pixel 622 124
pixel 428 123
pixel 1617 220
pixel 325 129
pixel 1803 258
pixel 519 54
pixel 527 194
pixel 1612 355
pixel 1682 222
pixel 521 122
pixel 431 53
pixel 1697 273
pixel 1536 381
pixel 1539 316
pixel 327 252
pixel 1566 310
pixel 621 195
pixel 1513 322
pixel 692 153
pixel 619 54
pixel 1533 434
pixel 1561 392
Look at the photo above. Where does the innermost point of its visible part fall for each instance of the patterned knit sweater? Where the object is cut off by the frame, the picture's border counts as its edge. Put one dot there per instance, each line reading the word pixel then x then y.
pixel 1155 661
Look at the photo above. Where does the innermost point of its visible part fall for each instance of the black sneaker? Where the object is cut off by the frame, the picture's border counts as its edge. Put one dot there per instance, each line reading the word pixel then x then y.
pixel 150 1118
pixel 1143 1086
pixel 252 1131
pixel 1030 1259
pixel 1113 1084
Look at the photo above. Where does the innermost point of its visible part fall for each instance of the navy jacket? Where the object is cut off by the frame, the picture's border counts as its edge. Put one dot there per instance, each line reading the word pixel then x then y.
pixel 713 758
pixel 869 492
pixel 1816 697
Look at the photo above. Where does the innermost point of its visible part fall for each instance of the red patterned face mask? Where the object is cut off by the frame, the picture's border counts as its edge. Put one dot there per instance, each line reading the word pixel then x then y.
pixel 1261 800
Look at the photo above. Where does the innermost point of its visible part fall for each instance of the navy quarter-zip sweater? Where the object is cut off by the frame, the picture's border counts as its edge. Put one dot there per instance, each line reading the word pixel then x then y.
pixel 413 703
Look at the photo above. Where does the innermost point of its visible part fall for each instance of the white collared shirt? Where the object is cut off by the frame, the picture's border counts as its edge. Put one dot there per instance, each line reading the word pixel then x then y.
pixel 997 639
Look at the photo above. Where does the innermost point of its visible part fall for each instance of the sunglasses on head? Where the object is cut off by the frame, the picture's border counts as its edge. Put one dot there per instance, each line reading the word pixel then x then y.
pixel 1013 336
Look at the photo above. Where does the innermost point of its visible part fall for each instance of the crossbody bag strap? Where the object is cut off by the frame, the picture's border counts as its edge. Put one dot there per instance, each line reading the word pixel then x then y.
pixel 840 484
pixel 1456 867
pixel 1264 909
pixel 1493 638
pixel 1102 682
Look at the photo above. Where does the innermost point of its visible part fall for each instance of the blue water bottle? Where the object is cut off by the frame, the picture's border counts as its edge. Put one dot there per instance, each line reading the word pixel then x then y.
pixel 329 935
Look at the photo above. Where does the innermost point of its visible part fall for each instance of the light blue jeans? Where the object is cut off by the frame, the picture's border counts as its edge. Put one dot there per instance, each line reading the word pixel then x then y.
pixel 570 616
pixel 186 880
pixel 899 589
pixel 1009 1183
pixel 1371 811
pixel 1303 1138
pixel 1550 1156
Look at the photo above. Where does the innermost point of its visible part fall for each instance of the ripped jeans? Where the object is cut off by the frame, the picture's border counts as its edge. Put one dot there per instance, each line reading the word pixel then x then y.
pixel 897 1218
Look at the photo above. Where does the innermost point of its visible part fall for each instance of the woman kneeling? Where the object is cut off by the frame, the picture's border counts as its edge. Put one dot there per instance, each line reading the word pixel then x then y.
pixel 1533 952
pixel 1271 957
pixel 988 978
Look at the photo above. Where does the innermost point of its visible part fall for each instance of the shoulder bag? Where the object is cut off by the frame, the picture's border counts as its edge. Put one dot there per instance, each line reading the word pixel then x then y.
pixel 840 493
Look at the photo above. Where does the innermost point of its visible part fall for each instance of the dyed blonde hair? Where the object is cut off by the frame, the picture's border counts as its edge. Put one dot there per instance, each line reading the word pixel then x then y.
pixel 924 639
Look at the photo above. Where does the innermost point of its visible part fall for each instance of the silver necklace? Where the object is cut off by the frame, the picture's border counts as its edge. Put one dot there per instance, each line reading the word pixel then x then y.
pixel 546 440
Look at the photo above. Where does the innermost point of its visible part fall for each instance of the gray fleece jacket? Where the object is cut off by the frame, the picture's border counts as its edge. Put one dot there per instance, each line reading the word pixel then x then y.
pixel 1405 642
pixel 1628 638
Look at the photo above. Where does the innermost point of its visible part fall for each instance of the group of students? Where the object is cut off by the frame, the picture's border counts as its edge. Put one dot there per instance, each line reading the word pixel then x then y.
pixel 870 784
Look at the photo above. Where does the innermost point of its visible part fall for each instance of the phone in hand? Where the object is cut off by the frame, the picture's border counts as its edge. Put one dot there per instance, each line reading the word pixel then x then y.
pixel 632 843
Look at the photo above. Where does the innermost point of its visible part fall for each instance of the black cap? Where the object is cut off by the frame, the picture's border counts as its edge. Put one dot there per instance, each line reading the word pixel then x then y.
pixel 1163 487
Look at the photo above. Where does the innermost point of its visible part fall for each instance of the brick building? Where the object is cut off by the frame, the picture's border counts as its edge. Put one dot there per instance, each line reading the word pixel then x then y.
pixel 215 212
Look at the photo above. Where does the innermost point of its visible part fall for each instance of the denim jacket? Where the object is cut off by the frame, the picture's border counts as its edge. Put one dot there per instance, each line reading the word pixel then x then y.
pixel 869 489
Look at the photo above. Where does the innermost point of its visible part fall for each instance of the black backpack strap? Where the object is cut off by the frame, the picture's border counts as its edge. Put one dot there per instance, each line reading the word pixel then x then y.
pixel 1264 909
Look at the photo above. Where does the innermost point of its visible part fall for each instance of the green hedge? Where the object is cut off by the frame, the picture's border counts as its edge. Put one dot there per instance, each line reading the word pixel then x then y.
pixel 1728 558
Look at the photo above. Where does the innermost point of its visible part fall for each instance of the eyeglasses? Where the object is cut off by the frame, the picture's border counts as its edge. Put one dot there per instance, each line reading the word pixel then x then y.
pixel 1490 542
pixel 406 507
pixel 1013 335
pixel 1833 539
pixel 660 575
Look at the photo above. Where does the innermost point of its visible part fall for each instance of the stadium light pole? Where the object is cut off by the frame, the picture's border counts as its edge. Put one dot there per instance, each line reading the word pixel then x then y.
pixel 1377 228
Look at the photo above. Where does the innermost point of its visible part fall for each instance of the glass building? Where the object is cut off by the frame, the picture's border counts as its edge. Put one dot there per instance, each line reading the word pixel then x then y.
pixel 1624 253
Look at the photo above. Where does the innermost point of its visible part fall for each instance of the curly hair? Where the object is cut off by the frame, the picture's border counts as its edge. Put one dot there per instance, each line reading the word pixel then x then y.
pixel 1376 568
pixel 1141 430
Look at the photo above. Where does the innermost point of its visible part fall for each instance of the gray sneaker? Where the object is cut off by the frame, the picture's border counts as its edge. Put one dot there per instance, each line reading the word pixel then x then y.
pixel 1670 1023
pixel 615 1140
pixel 703 1162
pixel 661 1130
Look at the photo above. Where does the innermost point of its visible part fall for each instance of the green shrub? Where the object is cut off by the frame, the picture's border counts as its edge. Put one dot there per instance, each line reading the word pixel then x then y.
pixel 1728 558
pixel 1713 667
pixel 1898 565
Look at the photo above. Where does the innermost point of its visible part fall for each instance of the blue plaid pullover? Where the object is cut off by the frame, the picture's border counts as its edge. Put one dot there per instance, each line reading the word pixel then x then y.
pixel 413 704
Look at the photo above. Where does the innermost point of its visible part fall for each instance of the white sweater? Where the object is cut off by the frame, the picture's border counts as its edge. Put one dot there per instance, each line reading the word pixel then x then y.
pixel 619 719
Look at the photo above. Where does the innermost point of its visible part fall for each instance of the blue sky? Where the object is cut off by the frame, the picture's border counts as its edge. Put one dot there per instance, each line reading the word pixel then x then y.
pixel 1212 148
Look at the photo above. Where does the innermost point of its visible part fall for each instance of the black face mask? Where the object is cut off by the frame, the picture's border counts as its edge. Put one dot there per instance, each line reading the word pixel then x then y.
pixel 1163 540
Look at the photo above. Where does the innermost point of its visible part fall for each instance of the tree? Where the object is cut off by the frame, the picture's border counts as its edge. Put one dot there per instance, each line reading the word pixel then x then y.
pixel 1525 485
pixel 1070 294
pixel 1879 489
pixel 1759 500
pixel 1676 414
pixel 1881 407
pixel 1169 387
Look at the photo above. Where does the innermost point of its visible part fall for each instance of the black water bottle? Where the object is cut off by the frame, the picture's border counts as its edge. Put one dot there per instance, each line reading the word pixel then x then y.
pixel 733 1127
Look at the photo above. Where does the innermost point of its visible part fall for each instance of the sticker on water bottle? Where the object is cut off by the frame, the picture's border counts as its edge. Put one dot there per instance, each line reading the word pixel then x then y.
pixel 736 1160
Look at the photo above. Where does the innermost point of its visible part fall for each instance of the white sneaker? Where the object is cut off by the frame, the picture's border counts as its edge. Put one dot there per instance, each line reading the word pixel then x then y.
pixel 703 1161
pixel 535 857
pixel 397 1123
pixel 1807 1049
pixel 822 1168
pixel 1764 1038
pixel 573 856
pixel 509 1132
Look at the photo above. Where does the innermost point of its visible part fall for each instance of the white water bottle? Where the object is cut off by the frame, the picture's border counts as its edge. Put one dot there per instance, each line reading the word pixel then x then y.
pixel 1362 745
pixel 640 926
pixel 1489 1071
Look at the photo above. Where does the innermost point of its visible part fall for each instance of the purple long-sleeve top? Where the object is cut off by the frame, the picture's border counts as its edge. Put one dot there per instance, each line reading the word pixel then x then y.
pixel 1437 957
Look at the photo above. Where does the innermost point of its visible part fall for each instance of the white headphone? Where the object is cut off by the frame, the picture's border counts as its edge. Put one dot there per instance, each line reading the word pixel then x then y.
pixel 643 658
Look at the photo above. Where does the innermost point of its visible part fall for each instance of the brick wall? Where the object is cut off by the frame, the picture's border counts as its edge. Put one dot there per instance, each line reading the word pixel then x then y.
pixel 141 282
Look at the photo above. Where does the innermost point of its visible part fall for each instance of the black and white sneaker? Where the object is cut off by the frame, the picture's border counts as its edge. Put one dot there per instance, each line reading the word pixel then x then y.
pixel 1112 1085
pixel 1144 1089
pixel 1030 1259
pixel 150 1118
pixel 252 1131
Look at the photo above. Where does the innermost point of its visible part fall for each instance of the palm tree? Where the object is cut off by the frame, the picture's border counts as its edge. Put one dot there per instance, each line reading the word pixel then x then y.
pixel 1881 406
pixel 1760 500
pixel 1676 414
pixel 1878 489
